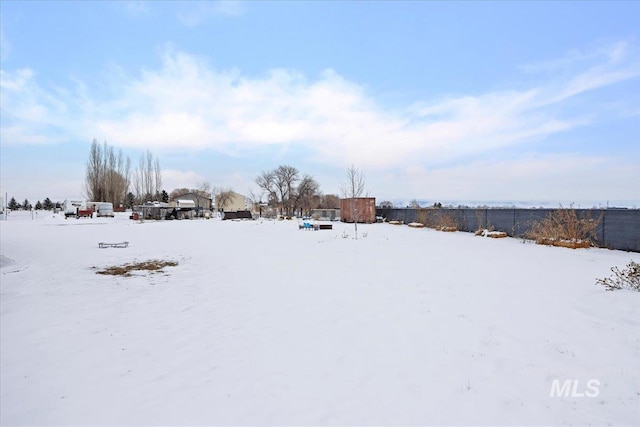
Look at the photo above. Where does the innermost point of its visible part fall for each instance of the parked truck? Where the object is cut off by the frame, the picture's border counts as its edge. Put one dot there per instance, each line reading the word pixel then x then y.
pixel 101 208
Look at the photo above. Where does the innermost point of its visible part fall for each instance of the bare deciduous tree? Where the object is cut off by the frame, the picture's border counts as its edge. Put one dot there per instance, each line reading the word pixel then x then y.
pixel 266 183
pixel 286 191
pixel 157 173
pixel 107 175
pixel 330 201
pixel 306 194
pixel 285 178
pixel 177 192
pixel 93 177
pixel 148 178
pixel 200 193
pixel 278 185
pixel 256 201
pixel 354 187
pixel 205 187
pixel 223 196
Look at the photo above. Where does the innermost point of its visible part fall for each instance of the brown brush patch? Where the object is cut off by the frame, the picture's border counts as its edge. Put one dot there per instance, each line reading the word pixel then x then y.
pixel 565 228
pixel 438 219
pixel 126 269
pixel 572 244
pixel 497 234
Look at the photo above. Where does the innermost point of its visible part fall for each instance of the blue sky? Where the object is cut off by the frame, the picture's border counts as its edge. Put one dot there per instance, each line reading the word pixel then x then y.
pixel 432 100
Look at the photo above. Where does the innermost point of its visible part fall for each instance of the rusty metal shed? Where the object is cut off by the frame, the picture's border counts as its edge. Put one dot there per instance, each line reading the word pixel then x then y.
pixel 359 209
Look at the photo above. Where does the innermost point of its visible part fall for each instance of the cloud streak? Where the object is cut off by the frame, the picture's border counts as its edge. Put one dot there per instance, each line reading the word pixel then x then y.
pixel 188 104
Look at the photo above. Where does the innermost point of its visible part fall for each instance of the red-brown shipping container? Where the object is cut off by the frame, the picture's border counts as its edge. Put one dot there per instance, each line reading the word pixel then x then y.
pixel 360 209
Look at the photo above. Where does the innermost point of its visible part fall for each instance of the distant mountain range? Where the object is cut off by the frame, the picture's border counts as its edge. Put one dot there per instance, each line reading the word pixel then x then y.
pixel 598 204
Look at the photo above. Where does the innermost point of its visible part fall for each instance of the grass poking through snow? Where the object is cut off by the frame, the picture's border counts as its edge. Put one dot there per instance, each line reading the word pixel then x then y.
pixel 126 269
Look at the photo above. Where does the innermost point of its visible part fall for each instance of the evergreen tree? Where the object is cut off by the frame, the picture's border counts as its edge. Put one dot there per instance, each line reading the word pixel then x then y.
pixel 165 196
pixel 38 206
pixel 130 200
pixel 13 205
pixel 48 205
pixel 26 205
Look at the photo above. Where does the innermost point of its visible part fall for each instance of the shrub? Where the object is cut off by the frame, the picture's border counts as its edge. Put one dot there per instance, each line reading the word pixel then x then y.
pixel 629 278
pixel 438 219
pixel 563 227
pixel 481 223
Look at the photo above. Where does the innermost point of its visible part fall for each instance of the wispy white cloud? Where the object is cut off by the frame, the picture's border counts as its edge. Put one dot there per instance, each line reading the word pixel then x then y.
pixel 608 53
pixel 31 115
pixel 135 7
pixel 198 12
pixel 188 104
pixel 582 71
pixel 172 178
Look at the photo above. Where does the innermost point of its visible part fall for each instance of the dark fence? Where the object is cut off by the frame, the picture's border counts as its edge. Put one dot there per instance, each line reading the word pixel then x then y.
pixel 237 215
pixel 617 229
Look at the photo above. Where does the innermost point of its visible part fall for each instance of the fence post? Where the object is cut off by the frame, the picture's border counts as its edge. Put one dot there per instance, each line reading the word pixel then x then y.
pixel 604 229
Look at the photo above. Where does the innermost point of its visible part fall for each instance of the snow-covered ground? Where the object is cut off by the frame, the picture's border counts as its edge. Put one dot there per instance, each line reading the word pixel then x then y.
pixel 261 323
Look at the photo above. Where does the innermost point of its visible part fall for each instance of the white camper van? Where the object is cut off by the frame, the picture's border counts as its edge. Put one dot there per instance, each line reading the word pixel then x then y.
pixel 71 207
pixel 104 209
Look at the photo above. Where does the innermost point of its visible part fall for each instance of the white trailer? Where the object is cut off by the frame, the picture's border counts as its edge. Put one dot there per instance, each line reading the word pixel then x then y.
pixel 185 204
pixel 71 207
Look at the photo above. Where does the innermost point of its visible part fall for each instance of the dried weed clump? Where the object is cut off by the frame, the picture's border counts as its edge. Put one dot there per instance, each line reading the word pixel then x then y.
pixel 126 269
pixel 438 219
pixel 563 227
pixel 491 233
pixel 629 278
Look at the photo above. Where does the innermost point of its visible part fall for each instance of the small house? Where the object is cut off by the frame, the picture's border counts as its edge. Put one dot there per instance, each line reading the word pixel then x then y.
pixel 236 203
pixel 200 201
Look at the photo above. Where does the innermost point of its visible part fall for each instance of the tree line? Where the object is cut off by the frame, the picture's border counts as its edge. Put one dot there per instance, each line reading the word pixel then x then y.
pixel 47 204
pixel 109 177
pixel 290 192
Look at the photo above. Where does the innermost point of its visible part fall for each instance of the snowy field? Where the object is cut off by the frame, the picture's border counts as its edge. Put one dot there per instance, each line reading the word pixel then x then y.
pixel 264 324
